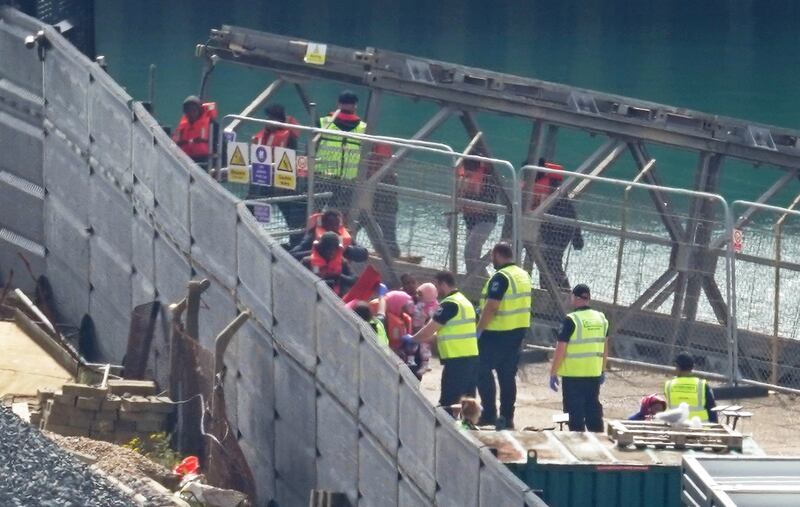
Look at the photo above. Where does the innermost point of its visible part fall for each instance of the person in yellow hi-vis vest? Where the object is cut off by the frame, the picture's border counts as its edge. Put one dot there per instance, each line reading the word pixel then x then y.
pixel 504 322
pixel 580 360
pixel 338 157
pixel 454 325
pixel 689 389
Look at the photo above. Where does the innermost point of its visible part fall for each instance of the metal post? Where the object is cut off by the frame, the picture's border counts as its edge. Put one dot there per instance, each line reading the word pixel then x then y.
pixel 311 162
pixel 256 103
pixel 151 87
pixel 776 310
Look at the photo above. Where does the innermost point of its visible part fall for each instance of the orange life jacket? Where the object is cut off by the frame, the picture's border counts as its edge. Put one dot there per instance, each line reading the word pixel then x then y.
pixel 195 138
pixel 471 185
pixel 396 326
pixel 328 269
pixel 315 222
pixel 279 137
pixel 542 187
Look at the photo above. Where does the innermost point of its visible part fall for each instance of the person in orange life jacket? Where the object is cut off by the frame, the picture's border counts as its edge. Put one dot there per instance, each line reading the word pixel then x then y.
pixel 336 156
pixel 329 221
pixel 475 183
pixel 555 237
pixel 327 262
pixel 294 212
pixel 399 311
pixel 453 326
pixel 196 133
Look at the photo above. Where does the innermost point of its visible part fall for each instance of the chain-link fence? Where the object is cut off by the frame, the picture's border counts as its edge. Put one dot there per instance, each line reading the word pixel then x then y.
pixel 767 288
pixel 648 255
pixel 417 206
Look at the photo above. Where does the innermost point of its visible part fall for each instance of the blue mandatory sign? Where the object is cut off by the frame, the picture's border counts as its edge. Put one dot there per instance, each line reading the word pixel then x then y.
pixel 261 154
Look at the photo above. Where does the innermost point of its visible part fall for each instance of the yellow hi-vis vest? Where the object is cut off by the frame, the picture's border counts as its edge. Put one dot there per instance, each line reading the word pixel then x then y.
pixel 585 349
pixel 380 331
pixel 458 337
pixel 337 156
pixel 515 307
pixel 689 390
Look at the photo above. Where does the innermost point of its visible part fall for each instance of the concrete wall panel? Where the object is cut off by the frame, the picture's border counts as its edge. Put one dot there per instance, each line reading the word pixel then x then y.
pixel 67 260
pixel 110 128
pixel 255 269
pixel 338 350
pixel 410 496
pixel 295 431
pixel 70 187
pixel 378 477
pixel 144 156
pixel 337 445
pixel 23 67
pixel 143 260
pixel 21 143
pixel 172 197
pixel 457 466
pixel 294 307
pixel 173 271
pixel 379 391
pixel 213 226
pixel 66 81
pixel 417 430
pixel 11 247
pixel 111 217
pixel 21 207
pixel 497 486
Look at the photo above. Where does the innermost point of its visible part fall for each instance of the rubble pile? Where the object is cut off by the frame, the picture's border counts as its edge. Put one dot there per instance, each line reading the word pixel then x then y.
pixel 119 412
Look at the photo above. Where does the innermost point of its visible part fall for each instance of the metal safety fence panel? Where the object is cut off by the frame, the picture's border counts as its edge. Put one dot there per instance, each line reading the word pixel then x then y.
pixel 655 259
pixel 767 288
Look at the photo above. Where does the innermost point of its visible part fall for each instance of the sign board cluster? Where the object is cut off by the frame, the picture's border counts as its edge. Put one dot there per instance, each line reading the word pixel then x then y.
pixel 258 164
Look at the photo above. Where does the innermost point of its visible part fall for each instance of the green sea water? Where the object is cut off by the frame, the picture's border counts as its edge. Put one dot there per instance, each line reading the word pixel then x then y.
pixel 735 58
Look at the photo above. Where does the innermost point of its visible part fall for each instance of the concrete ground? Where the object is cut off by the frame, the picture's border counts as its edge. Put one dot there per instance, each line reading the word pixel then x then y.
pixel 25 366
pixel 774 425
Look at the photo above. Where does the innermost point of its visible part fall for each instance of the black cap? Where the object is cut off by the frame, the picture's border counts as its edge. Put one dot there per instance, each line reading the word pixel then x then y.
pixel 192 99
pixel 581 290
pixel 348 97
pixel 276 112
pixel 684 361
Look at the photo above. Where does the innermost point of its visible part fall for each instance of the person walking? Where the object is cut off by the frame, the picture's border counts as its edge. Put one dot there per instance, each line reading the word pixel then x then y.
pixel 690 389
pixel 474 183
pixel 504 321
pixel 454 327
pixel 580 360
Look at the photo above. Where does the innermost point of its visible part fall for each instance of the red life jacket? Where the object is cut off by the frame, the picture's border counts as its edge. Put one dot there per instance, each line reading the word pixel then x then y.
pixel 195 138
pixel 279 137
pixel 396 326
pixel 315 222
pixel 328 269
pixel 542 187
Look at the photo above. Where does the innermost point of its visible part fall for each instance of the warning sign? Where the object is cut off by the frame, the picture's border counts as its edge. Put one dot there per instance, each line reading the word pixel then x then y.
pixel 238 166
pixel 261 158
pixel 263 213
pixel 315 53
pixel 286 168
pixel 738 240
pixel 302 166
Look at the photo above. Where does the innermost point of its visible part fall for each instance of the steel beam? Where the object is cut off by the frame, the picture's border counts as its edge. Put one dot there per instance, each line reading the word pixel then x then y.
pixel 478 89
pixel 256 103
pixel 660 201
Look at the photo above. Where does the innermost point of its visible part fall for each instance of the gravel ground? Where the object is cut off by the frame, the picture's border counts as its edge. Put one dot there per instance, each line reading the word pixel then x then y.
pixel 34 471
pixel 773 426
pixel 127 466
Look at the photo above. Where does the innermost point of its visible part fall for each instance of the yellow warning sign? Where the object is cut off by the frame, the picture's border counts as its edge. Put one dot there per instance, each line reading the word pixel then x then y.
pixel 237 158
pixel 285 164
pixel 238 174
pixel 315 53
pixel 286 169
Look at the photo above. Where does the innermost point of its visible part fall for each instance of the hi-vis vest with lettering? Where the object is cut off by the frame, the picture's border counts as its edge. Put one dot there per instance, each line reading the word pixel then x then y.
pixel 338 156
pixel 458 337
pixel 689 390
pixel 515 307
pixel 584 357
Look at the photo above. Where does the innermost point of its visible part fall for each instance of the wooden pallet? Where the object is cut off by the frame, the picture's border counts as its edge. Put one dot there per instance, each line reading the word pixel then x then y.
pixel 642 434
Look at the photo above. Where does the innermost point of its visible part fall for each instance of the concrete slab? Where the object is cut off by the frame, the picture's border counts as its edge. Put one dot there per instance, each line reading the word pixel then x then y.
pixel 25 366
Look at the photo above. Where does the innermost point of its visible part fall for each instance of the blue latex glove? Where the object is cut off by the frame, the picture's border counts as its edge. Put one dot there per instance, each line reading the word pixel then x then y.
pixel 602 378
pixel 554 383
pixel 382 289
pixel 407 340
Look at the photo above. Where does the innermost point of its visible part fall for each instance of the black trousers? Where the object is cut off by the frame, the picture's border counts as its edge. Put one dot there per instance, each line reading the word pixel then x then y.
pixel 554 259
pixel 499 351
pixel 581 398
pixel 459 378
